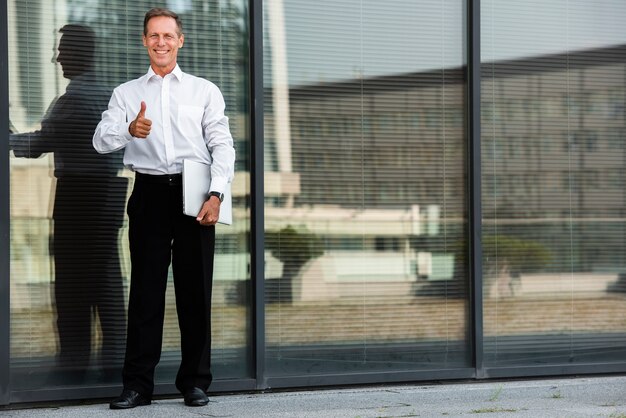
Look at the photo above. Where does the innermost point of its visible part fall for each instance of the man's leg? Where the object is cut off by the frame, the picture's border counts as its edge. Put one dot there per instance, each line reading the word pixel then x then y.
pixel 73 305
pixel 110 302
pixel 72 246
pixel 193 273
pixel 107 202
pixel 150 248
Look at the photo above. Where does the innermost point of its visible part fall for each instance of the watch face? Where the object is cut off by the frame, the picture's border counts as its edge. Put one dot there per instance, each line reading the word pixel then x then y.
pixel 219 195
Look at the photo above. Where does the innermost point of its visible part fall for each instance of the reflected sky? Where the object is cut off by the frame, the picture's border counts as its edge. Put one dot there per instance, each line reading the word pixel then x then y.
pixel 329 41
pixel 535 27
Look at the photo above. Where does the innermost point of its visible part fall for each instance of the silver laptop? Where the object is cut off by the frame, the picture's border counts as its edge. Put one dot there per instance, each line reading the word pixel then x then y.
pixel 196 184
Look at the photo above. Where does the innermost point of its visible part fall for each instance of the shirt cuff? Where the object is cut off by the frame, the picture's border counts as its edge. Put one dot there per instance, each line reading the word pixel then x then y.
pixel 125 132
pixel 219 184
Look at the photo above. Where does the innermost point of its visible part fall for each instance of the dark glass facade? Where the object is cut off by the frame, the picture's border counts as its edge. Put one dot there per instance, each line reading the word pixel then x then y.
pixel 352 258
pixel 553 184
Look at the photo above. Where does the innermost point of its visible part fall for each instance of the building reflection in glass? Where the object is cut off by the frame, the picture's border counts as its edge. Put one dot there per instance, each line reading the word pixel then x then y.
pixel 553 130
pixel 365 193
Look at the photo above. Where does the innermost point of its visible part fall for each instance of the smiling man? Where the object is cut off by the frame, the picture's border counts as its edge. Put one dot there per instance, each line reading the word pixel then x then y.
pixel 161 119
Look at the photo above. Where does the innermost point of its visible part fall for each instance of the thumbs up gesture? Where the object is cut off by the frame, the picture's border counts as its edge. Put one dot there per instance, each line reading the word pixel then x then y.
pixel 140 127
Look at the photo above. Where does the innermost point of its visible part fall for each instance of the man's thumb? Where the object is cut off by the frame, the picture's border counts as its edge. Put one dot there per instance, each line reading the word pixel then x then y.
pixel 142 111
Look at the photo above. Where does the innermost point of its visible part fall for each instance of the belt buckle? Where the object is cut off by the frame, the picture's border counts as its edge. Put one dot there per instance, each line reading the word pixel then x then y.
pixel 173 179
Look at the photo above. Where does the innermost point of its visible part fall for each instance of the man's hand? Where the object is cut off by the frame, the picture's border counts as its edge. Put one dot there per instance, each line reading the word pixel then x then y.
pixel 140 127
pixel 210 212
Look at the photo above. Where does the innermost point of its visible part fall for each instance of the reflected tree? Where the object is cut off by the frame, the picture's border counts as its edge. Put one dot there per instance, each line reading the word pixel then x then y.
pixel 294 248
pixel 506 258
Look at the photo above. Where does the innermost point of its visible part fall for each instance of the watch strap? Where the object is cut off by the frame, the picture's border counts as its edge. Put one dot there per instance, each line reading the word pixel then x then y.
pixel 219 195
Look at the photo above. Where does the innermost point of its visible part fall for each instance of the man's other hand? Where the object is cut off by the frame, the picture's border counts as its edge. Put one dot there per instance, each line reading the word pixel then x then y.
pixel 140 127
pixel 210 212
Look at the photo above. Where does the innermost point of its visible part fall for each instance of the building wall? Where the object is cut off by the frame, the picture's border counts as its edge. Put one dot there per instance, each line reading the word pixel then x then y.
pixel 365 245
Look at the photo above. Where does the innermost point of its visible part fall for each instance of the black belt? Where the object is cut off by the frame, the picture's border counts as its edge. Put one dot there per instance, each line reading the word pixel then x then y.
pixel 169 179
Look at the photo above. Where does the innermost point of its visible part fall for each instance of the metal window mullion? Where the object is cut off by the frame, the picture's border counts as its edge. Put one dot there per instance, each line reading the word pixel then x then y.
pixel 257 193
pixel 475 210
pixel 5 308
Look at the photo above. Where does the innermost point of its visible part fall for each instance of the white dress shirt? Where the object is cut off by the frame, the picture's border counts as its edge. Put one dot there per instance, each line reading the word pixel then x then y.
pixel 188 122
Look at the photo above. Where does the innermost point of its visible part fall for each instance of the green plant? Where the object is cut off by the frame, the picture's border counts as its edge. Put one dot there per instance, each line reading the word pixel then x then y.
pixel 293 248
pixel 504 254
pixel 518 255
pixel 492 410
pixel 496 395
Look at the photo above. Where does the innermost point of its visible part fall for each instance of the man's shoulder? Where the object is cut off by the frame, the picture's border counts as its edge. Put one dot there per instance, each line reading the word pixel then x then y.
pixel 198 81
pixel 131 83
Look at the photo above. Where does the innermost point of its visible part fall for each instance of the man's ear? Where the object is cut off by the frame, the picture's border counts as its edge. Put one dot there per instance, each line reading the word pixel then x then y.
pixel 181 40
pixel 143 38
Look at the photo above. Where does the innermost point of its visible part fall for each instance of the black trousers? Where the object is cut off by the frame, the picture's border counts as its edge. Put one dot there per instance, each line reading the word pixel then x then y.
pixel 159 233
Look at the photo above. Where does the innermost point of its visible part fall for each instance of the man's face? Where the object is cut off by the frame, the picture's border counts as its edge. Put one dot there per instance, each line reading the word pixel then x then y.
pixel 72 56
pixel 162 42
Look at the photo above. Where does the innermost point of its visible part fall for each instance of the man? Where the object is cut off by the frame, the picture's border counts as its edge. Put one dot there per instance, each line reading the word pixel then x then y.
pixel 88 213
pixel 161 119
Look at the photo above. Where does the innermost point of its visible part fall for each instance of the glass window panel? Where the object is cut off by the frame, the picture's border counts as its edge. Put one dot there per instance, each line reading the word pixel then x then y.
pixel 69 253
pixel 553 210
pixel 365 171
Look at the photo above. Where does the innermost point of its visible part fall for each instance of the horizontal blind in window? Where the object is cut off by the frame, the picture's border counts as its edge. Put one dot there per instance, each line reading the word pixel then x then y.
pixel 553 164
pixel 70 264
pixel 365 186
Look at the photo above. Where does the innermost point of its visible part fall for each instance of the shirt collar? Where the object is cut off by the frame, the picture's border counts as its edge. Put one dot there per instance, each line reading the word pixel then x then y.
pixel 177 72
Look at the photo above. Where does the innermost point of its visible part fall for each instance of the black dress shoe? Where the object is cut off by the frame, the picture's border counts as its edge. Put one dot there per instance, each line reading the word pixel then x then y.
pixel 129 399
pixel 196 397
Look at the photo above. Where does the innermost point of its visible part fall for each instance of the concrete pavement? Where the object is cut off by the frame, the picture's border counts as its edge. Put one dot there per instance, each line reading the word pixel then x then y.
pixel 567 398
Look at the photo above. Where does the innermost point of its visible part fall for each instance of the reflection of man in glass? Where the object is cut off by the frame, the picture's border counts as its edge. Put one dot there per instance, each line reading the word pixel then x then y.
pixel 88 211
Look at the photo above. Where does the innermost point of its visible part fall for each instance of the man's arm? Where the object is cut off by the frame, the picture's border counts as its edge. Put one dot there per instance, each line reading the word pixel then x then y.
pixel 219 141
pixel 25 145
pixel 54 125
pixel 112 132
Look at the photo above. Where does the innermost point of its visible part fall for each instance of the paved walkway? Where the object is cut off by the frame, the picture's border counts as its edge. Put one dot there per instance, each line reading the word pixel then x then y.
pixel 567 398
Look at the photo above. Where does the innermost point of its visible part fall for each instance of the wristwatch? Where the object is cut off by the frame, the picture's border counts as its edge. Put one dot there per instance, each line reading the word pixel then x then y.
pixel 219 195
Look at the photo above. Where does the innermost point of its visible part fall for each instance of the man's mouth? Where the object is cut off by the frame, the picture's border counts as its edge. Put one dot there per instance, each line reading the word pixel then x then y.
pixel 161 52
